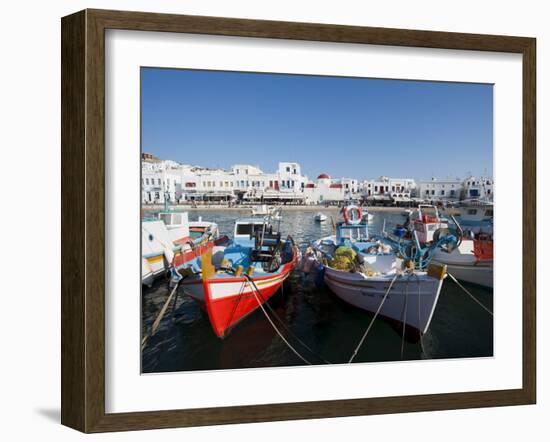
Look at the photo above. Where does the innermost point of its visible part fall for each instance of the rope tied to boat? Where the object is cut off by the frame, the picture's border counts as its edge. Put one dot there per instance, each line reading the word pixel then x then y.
pixel 405 315
pixel 159 317
pixel 257 292
pixel 373 319
pixel 469 294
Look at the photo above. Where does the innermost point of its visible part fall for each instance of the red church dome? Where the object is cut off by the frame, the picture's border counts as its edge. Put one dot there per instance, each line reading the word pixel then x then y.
pixel 323 176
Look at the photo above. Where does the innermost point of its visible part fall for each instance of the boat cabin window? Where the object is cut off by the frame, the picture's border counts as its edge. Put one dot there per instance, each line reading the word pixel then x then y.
pixel 489 212
pixel 472 212
pixel 248 229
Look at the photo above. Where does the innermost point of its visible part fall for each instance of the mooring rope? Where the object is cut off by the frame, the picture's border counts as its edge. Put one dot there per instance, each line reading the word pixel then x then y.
pixel 471 296
pixel 289 345
pixel 405 316
pixel 284 325
pixel 423 351
pixel 372 320
pixel 156 324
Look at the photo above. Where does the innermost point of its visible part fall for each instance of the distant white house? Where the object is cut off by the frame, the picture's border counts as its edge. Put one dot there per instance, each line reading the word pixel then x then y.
pixel 399 190
pixel 438 189
pixel 478 188
pixel 325 190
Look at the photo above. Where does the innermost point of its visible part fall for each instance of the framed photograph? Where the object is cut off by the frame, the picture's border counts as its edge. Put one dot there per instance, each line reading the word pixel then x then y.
pixel 269 220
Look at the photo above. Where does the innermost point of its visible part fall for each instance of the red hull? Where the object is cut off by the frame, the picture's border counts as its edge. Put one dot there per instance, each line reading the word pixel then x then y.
pixel 225 312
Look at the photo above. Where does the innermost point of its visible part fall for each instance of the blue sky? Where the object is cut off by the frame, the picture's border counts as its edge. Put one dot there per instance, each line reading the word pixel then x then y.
pixel 352 127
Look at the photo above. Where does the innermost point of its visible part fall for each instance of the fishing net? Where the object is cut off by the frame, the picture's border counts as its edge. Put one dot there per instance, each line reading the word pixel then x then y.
pixel 344 259
pixel 348 252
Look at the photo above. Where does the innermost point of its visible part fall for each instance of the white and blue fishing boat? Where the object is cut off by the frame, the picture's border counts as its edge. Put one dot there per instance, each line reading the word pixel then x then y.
pixel 230 282
pixel 475 216
pixel 472 258
pixel 431 239
pixel 366 272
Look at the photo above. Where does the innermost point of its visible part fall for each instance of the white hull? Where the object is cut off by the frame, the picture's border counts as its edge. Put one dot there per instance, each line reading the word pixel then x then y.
pixel 480 275
pixel 412 299
pixel 320 218
pixel 369 217
pixel 463 264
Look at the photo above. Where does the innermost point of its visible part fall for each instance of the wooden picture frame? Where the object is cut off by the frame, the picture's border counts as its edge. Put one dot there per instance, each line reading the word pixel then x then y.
pixel 83 220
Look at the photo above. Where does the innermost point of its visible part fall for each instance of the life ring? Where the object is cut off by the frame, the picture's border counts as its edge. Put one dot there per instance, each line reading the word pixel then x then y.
pixel 352 214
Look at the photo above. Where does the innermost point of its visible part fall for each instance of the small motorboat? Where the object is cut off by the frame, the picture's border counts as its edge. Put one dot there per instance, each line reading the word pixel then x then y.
pixel 366 273
pixel 320 217
pixel 170 241
pixel 276 213
pixel 231 282
pixel 368 217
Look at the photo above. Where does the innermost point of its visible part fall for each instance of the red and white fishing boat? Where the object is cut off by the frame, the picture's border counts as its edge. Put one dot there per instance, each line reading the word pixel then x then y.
pixel 425 221
pixel 231 282
pixel 171 240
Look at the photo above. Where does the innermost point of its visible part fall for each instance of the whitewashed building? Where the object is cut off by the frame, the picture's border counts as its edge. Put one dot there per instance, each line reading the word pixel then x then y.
pixel 478 188
pixel 158 184
pixel 242 182
pixel 248 183
pixel 386 189
pixel 440 189
pixel 324 190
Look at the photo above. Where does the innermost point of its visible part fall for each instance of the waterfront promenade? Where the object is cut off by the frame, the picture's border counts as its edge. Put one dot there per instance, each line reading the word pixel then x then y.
pixel 287 208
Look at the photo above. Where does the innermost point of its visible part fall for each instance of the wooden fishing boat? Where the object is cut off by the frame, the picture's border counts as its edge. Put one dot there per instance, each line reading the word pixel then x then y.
pixel 366 273
pixel 470 261
pixel 424 222
pixel 468 256
pixel 171 241
pixel 231 282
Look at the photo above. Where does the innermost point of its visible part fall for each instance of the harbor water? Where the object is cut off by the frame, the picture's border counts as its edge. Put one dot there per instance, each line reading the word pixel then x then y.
pixel 331 329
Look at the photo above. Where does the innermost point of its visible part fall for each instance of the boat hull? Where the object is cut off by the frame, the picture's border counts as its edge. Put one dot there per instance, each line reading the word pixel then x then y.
pixel 472 262
pixel 230 300
pixel 476 274
pixel 412 299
